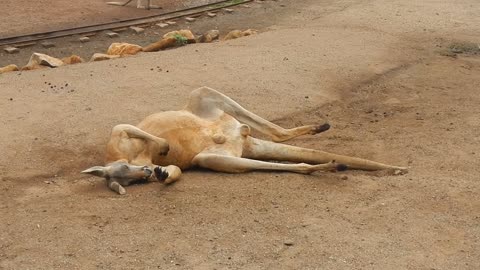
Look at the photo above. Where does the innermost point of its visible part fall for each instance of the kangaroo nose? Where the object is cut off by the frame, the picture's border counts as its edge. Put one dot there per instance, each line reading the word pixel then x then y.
pixel 147 171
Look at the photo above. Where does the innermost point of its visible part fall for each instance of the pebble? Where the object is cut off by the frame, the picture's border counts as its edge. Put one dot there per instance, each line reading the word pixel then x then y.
pixel 162 25
pixel 344 177
pixel 112 34
pixel 229 10
pixel 47 44
pixel 171 23
pixel 211 14
pixel 84 39
pixel 137 30
pixel 11 50
pixel 190 19
pixel 288 243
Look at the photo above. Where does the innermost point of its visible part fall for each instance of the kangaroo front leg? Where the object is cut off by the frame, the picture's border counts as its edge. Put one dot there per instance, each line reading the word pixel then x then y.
pixel 209 103
pixel 115 186
pixel 130 143
pixel 265 150
pixel 231 164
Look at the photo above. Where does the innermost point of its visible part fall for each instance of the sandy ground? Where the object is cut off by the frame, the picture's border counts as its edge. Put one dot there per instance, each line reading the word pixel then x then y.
pixel 378 71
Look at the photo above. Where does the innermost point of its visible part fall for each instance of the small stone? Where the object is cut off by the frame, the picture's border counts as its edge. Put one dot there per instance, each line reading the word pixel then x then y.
pixel 162 25
pixel 84 39
pixel 211 14
pixel 39 59
pixel 209 36
pixel 190 19
pixel 344 177
pixel 229 10
pixel 245 6
pixel 123 49
pixel 137 30
pixel 112 34
pixel 47 44
pixel 8 68
pixel 11 50
pixel 171 23
pixel 102 57
pixel 288 243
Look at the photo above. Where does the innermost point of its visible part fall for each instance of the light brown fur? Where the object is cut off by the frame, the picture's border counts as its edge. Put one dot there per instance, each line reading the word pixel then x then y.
pixel 213 132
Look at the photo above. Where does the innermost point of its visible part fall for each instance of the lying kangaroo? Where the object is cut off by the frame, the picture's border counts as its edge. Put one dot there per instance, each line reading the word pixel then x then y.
pixel 213 132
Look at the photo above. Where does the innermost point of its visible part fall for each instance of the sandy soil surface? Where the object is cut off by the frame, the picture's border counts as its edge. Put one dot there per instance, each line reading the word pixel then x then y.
pixel 27 16
pixel 378 71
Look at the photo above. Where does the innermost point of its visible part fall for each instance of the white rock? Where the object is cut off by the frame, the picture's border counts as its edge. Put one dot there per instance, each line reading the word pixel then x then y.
pixel 44 60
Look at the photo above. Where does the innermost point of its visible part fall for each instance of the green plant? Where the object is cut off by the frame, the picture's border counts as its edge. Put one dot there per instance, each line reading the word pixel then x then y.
pixel 181 40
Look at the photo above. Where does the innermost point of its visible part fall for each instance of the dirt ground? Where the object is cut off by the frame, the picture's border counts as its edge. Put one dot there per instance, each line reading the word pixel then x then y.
pixel 27 16
pixel 383 74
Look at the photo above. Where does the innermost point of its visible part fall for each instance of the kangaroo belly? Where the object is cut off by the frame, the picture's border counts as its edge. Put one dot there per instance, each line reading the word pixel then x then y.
pixel 188 135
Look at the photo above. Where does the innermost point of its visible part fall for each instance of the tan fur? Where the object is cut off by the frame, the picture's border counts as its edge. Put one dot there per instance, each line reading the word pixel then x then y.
pixel 213 131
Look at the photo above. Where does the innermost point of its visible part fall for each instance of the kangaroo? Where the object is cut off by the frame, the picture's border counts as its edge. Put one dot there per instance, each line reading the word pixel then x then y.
pixel 212 131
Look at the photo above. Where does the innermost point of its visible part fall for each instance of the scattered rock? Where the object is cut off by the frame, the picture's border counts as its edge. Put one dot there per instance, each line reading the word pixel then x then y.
pixel 211 14
pixel 162 25
pixel 209 36
pixel 137 30
pixel 47 44
pixel 190 19
pixel 238 33
pixel 344 177
pixel 229 10
pixel 288 243
pixel 8 68
pixel 161 45
pixel 171 23
pixel 11 49
pixel 123 49
pixel 102 57
pixel 112 34
pixel 73 59
pixel 84 39
pixel 245 6
pixel 38 60
pixel 187 34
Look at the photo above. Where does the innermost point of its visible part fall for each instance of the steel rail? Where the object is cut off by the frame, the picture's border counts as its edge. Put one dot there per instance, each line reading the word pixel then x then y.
pixel 120 24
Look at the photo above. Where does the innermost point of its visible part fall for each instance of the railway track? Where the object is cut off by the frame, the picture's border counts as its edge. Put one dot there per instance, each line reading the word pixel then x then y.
pixel 193 11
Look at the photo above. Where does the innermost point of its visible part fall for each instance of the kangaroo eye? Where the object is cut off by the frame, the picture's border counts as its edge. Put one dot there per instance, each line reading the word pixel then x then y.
pixel 125 167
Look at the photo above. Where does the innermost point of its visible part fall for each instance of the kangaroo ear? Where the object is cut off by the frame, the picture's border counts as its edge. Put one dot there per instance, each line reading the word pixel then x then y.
pixel 97 171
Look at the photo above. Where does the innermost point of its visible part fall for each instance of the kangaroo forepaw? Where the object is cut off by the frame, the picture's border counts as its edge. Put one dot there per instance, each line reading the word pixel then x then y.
pixel 160 173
